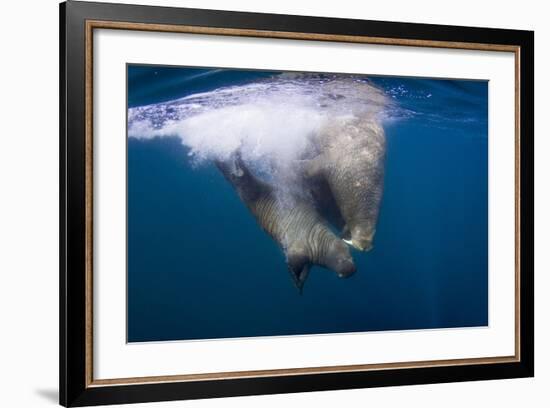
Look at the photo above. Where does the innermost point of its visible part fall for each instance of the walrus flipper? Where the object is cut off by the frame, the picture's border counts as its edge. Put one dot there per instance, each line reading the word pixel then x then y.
pixel 299 265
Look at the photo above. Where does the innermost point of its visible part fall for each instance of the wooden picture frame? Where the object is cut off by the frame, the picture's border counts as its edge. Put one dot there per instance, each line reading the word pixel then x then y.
pixel 78 20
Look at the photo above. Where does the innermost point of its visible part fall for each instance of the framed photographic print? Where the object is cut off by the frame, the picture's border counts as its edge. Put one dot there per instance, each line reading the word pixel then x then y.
pixel 256 203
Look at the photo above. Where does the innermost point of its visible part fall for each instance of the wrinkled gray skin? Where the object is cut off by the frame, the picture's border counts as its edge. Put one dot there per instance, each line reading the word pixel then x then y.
pixel 351 165
pixel 297 228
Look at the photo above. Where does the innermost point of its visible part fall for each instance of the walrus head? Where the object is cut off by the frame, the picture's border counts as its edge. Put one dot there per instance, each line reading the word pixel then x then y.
pixel 336 258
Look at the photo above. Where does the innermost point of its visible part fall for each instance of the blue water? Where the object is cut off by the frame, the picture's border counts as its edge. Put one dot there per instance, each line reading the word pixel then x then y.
pixel 199 267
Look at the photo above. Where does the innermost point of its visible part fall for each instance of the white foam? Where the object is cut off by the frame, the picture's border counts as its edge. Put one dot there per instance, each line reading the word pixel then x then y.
pixel 270 121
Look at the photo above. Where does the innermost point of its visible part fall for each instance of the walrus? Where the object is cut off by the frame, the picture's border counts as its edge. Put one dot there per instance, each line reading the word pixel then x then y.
pixel 350 164
pixel 297 228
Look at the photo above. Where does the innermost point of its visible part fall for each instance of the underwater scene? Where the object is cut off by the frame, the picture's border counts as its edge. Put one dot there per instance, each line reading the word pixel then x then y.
pixel 266 203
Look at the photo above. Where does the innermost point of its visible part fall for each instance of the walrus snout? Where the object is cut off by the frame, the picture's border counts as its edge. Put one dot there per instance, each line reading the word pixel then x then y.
pixel 340 261
pixel 362 244
pixel 362 239
pixel 345 268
